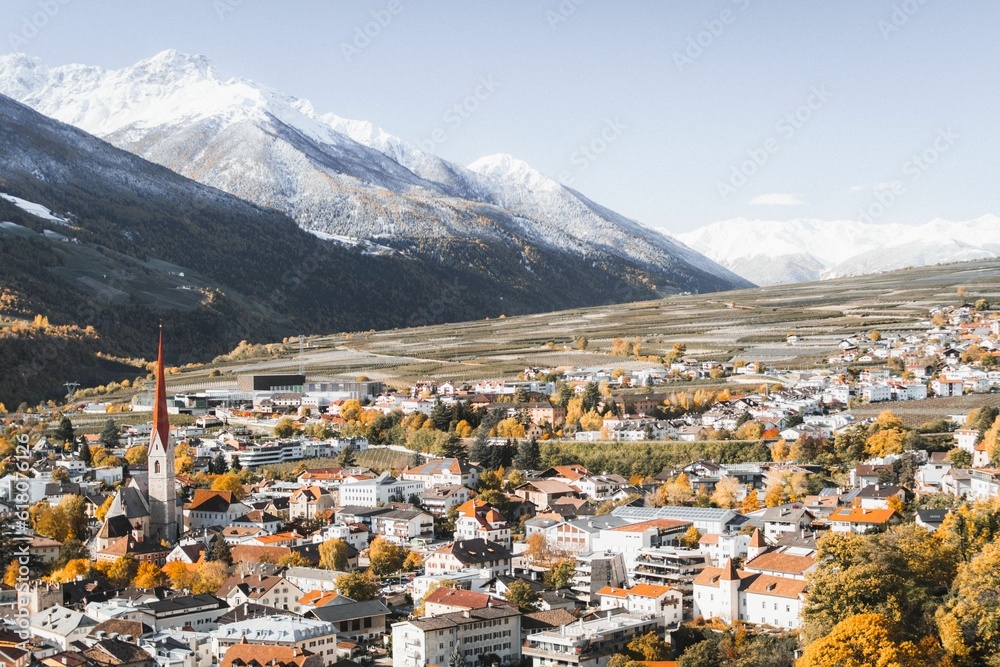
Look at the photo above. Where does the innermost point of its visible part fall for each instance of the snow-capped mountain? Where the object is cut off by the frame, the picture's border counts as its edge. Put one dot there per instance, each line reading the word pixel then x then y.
pixel 348 178
pixel 775 252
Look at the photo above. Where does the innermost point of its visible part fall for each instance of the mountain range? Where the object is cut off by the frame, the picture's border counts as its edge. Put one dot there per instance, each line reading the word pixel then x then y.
pixel 350 181
pixel 772 252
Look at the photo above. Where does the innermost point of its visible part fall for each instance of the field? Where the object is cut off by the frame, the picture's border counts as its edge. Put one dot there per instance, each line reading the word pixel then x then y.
pixel 747 324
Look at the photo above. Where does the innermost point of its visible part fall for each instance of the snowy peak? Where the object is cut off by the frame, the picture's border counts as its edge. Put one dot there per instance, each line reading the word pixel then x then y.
pixel 503 167
pixel 774 252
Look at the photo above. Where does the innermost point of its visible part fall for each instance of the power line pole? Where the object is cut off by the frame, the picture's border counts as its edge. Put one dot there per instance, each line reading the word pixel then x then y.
pixel 71 388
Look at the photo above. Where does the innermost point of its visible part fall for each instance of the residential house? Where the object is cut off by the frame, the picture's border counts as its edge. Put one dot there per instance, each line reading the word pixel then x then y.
pixel 860 520
pixel 209 508
pixel 479 519
pixel 645 600
pixel 444 472
pixel 588 643
pixel 471 633
pixel 309 503
pixel 478 553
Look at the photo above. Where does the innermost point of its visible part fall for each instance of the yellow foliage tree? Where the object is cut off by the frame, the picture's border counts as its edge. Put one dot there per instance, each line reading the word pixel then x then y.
pixel 148 575
pixel 751 503
pixel 102 511
pixel 510 428
pixel 780 451
pixel 183 459
pixel 333 554
pixel 726 490
pixel 78 567
pixel 884 442
pixel 230 482
pixel 862 640
pixel 591 421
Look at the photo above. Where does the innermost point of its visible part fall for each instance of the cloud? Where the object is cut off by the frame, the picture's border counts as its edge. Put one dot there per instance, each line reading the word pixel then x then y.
pixel 856 188
pixel 776 199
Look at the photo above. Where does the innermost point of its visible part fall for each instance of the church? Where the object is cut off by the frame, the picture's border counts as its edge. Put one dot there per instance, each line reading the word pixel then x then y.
pixel 143 516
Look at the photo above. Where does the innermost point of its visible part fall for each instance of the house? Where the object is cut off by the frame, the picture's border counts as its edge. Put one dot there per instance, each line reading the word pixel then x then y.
pixel 629 539
pixel 705 519
pixel 445 600
pixel 645 600
pixel 573 536
pixel 244 654
pixel 471 633
pixel 209 508
pixel 379 491
pixel 263 589
pixel 403 525
pixel 543 492
pixel 439 500
pixel 477 518
pixel 115 652
pixel 444 472
pixel 199 612
pixel 790 518
pixel 931 519
pixel 588 643
pixel 43 549
pixel 356 621
pixel 866 474
pixel 944 387
pixel 280 630
pixel 877 496
pixel 930 474
pixel 478 554
pixel 732 595
pixel 860 520
pixel 61 626
pixel 265 521
pixel 309 502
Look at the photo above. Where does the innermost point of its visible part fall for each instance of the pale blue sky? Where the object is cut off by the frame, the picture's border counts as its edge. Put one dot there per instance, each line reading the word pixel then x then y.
pixel 564 72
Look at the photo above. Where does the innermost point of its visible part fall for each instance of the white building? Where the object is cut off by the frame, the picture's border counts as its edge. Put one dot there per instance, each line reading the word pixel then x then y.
pixel 378 491
pixel 588 643
pixel 645 600
pixel 319 637
pixel 739 595
pixel 472 633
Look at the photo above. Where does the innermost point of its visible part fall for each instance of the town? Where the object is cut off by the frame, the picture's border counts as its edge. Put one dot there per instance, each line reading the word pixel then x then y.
pixel 648 512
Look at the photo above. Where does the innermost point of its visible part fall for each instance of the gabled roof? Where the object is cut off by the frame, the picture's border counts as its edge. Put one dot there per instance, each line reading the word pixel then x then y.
pixel 112 652
pixel 335 613
pixel 209 500
pixel 782 560
pixel 455 597
pixel 470 552
pixel 860 515
pixel 441 466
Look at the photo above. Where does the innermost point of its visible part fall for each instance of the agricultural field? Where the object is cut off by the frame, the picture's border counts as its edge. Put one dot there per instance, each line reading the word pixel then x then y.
pixel 747 324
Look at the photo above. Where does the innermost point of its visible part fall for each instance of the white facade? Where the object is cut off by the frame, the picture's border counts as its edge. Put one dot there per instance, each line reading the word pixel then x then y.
pixel 473 633
pixel 379 491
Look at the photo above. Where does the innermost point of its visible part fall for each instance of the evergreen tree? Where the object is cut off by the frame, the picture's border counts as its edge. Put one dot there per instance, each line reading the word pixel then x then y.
pixel 591 396
pixel 236 466
pixel 220 551
pixel 453 449
pixel 347 459
pixel 416 460
pixel 64 432
pixel 219 465
pixel 83 452
pixel 528 456
pixel 480 450
pixel 109 434
pixel 440 415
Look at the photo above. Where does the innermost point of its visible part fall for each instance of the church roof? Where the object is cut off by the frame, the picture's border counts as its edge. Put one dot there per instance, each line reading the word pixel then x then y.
pixel 115 527
pixel 161 424
pixel 128 502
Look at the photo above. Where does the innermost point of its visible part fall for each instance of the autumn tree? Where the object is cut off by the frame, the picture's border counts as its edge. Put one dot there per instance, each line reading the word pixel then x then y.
pixel 333 555
pixel 148 575
pixel 968 622
pixel 413 561
pixel 286 427
pixel 751 503
pixel 862 640
pixel 230 482
pixel 561 574
pixel 136 455
pixel 293 559
pixel 102 511
pixel 123 570
pixel 676 491
pixel 726 491
pixel 780 451
pixel 520 594
pixel 384 557
pixel 691 538
pixel 537 548
pixel 649 647
pixel 183 459
pixel 358 585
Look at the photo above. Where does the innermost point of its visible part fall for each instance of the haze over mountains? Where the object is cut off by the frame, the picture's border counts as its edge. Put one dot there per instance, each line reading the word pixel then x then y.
pixel 771 252
pixel 350 179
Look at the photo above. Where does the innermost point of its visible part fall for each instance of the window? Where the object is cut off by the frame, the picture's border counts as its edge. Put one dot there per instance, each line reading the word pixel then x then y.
pixel 156 467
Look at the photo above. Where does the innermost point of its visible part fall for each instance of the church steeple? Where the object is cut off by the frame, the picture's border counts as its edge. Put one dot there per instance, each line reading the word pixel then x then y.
pixel 161 423
pixel 160 459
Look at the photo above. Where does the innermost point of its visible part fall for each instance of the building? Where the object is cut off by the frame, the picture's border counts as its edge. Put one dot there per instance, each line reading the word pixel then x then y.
pixel 209 508
pixel 595 571
pixel 464 554
pixel 645 600
pixel 739 595
pixel 245 654
pixel 379 491
pixel 447 600
pixel 355 621
pixel 309 634
pixel 860 520
pixel 198 612
pixel 471 633
pixel 443 472
pixel 309 502
pixel 439 499
pixel 269 590
pixel 270 382
pixel 160 460
pixel 588 643
pixel 61 626
pixel 705 519
pixel 477 518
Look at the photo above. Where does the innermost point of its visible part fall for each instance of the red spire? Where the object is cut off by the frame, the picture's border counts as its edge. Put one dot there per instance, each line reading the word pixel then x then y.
pixel 161 423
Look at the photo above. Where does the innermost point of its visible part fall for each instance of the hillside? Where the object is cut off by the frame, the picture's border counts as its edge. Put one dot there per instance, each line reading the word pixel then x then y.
pixel 133 244
pixel 498 220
